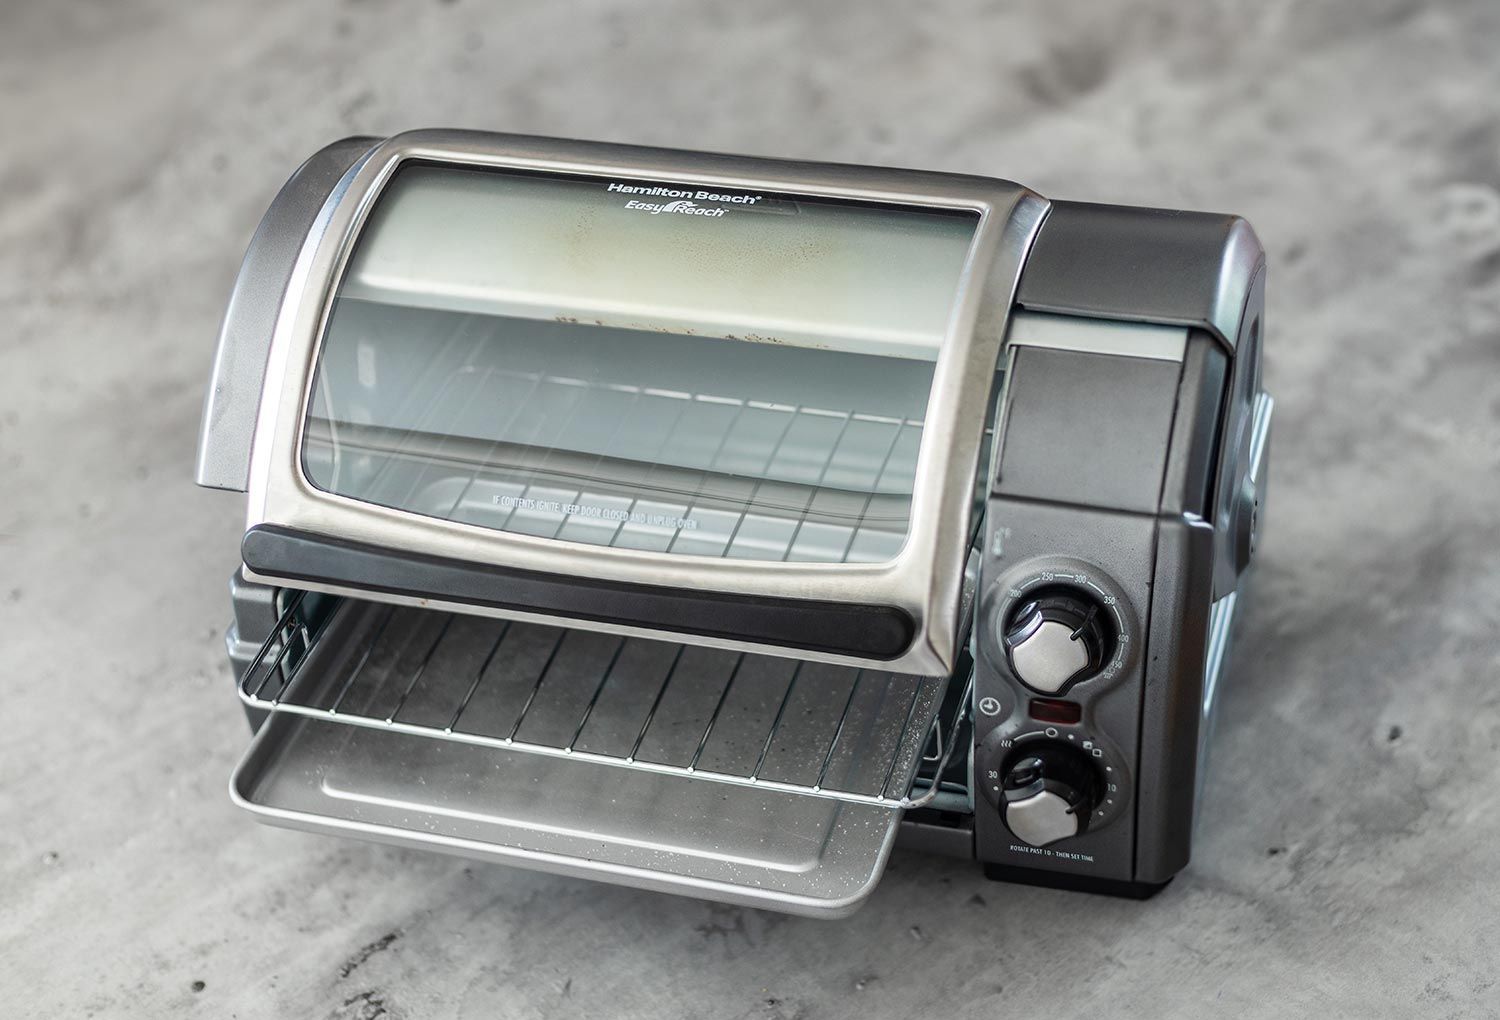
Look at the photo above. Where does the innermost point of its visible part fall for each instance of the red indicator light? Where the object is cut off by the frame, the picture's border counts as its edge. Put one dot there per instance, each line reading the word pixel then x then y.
pixel 1065 713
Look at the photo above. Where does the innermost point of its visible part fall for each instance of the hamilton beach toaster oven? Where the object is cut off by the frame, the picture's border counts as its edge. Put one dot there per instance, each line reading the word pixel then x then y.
pixel 716 525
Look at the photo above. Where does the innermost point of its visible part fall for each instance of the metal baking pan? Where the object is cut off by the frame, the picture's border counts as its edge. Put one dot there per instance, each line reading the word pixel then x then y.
pixel 738 777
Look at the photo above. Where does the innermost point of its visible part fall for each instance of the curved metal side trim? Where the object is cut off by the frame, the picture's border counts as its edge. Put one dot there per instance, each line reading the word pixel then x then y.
pixel 233 399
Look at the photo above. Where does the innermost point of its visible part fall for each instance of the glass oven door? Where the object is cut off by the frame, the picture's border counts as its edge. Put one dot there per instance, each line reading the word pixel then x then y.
pixel 708 389
pixel 636 373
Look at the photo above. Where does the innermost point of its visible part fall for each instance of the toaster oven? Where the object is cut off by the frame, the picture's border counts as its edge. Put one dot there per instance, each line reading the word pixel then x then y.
pixel 717 525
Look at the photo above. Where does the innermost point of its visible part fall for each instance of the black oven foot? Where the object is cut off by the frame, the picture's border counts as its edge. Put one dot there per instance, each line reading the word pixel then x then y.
pixel 1074 883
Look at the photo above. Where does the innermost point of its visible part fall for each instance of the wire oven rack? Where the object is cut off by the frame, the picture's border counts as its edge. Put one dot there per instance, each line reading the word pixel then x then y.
pixel 819 730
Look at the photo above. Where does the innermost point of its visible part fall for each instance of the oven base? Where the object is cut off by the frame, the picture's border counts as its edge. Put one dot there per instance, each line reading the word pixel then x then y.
pixel 1074 883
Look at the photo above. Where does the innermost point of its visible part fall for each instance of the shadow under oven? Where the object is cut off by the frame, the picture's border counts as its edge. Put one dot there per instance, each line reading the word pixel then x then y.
pixel 712 524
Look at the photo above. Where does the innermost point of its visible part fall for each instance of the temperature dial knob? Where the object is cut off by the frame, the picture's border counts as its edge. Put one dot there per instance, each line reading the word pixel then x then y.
pixel 1048 793
pixel 1054 640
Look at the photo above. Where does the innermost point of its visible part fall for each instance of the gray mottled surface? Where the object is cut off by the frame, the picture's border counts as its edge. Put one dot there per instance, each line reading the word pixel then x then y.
pixel 1348 858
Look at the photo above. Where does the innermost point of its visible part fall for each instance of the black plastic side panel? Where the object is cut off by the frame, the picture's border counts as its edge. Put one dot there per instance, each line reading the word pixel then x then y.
pixel 1108 450
pixel 878 632
pixel 1193 457
pixel 1143 265
pixel 1205 272
pixel 1234 457
pixel 1141 438
pixel 233 400
pixel 1172 698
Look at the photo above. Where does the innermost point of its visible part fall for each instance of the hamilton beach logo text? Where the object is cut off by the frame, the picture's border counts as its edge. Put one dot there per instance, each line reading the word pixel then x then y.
pixel 683 202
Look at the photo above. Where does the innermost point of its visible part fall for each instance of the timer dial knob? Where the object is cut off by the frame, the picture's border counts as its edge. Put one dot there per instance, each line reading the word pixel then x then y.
pixel 1054 640
pixel 1048 793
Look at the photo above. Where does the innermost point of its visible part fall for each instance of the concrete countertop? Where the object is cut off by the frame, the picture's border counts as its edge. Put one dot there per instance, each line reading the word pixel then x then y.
pixel 1348 852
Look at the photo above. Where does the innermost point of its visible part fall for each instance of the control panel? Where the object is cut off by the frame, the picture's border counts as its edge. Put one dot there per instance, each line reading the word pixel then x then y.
pixel 1117 517
pixel 1054 718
